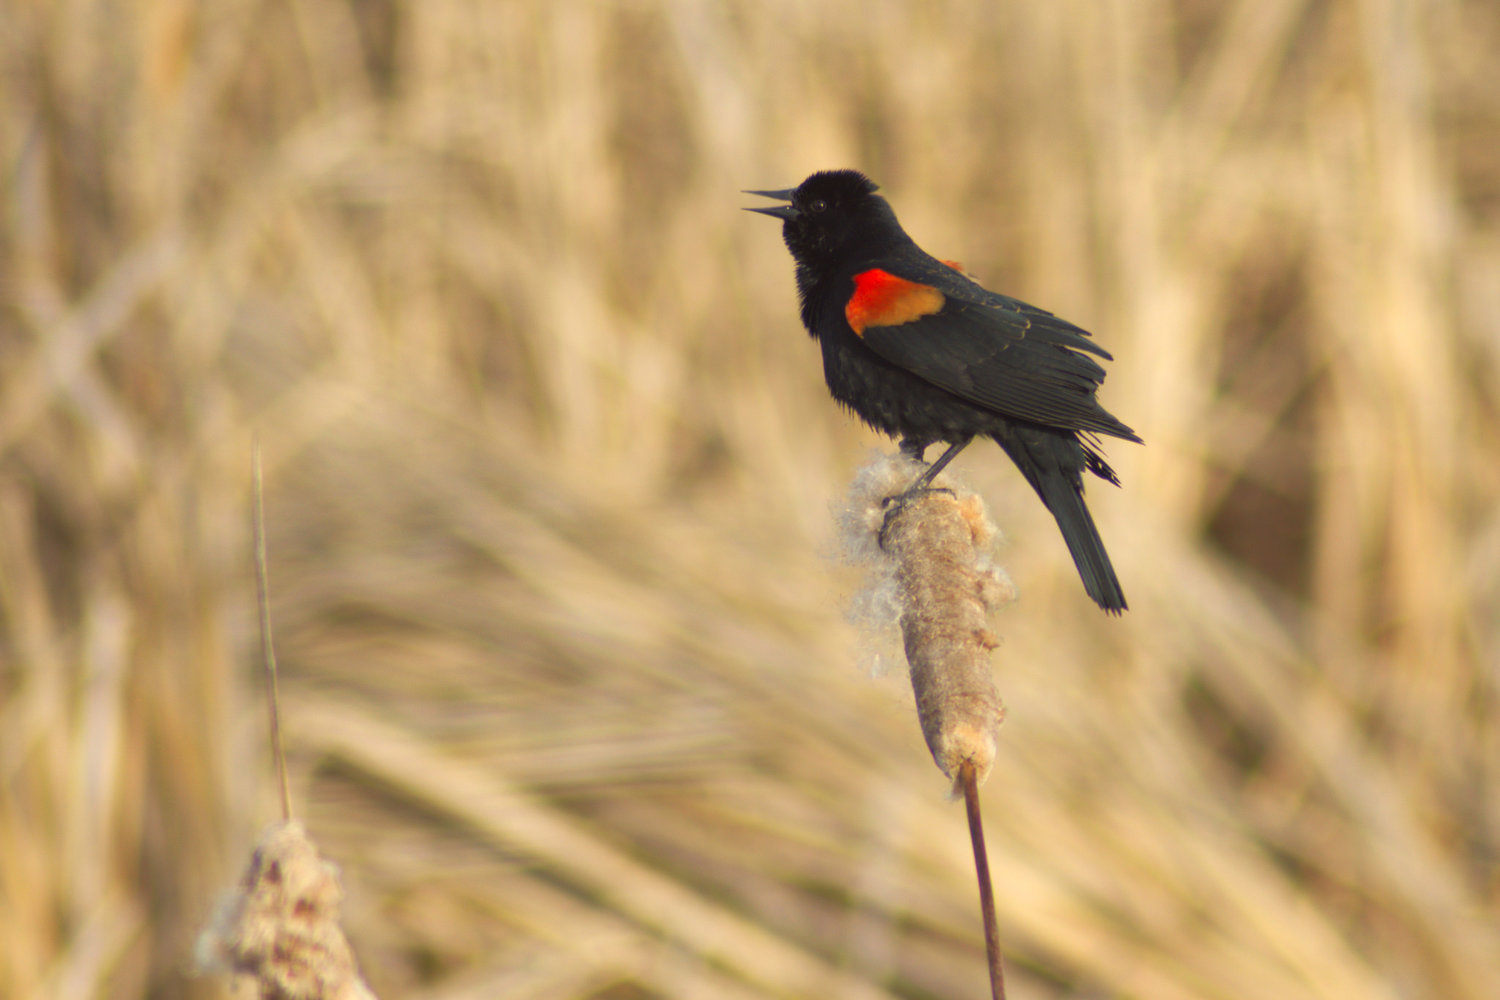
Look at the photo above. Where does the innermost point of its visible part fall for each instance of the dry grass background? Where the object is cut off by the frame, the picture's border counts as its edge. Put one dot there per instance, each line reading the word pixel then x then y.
pixel 550 470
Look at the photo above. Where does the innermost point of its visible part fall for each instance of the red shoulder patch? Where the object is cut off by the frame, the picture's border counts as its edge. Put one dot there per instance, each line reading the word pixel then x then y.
pixel 882 299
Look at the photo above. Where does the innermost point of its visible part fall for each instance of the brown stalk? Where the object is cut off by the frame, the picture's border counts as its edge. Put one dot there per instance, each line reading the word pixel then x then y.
pixel 281 924
pixel 267 648
pixel 970 782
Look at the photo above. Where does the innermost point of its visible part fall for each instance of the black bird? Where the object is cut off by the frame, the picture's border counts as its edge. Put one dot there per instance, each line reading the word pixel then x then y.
pixel 920 351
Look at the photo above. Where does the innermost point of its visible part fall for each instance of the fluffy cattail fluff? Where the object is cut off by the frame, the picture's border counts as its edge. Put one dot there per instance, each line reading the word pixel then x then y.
pixel 933 576
pixel 281 926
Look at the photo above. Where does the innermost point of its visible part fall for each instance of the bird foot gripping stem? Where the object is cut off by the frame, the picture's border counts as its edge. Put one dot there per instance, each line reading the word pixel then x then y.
pixel 922 485
pixel 898 502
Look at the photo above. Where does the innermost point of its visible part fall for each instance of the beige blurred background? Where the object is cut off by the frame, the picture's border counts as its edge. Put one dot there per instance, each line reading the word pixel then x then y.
pixel 551 482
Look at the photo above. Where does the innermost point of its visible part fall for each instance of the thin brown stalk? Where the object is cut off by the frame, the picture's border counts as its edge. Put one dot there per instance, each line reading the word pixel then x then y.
pixel 968 780
pixel 267 647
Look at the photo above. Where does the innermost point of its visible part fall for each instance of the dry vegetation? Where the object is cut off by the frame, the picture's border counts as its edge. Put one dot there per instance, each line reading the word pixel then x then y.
pixel 550 468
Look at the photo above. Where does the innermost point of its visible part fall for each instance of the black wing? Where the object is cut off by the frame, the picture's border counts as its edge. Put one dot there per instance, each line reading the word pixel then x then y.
pixel 999 353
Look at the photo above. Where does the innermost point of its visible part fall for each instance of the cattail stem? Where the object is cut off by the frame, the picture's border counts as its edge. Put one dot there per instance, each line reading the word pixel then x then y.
pixel 267 647
pixel 946 591
pixel 970 783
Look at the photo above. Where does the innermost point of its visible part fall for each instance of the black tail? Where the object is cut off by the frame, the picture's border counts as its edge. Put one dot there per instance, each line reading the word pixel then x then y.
pixel 1053 463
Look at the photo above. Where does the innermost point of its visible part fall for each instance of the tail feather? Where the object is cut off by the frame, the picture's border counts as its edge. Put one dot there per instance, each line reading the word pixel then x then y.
pixel 1053 462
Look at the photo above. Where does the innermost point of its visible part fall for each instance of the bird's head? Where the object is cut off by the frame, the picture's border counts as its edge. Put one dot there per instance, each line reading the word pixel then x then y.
pixel 830 214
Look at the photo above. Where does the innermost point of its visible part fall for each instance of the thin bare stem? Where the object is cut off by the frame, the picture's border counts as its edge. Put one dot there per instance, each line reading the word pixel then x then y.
pixel 969 779
pixel 267 648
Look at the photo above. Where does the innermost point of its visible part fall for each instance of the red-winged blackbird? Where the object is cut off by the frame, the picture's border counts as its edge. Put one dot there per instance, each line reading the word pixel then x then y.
pixel 917 349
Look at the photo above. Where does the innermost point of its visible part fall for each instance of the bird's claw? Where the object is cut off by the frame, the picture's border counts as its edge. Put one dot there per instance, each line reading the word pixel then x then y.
pixel 899 500
pixel 896 503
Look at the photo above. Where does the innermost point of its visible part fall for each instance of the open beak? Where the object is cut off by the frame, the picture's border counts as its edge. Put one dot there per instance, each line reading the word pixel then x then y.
pixel 786 212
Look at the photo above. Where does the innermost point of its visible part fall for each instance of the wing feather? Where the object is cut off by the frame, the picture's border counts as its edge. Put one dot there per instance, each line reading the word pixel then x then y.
pixel 1001 354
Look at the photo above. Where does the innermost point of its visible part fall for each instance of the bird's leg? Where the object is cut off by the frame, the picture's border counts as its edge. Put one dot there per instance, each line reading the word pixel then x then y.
pixel 914 448
pixel 923 484
pixel 931 472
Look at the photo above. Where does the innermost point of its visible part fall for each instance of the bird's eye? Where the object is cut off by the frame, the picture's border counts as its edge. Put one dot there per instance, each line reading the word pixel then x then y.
pixel 818 205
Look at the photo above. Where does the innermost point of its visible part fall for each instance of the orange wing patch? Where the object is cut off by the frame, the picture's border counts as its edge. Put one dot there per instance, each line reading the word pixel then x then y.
pixel 882 299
